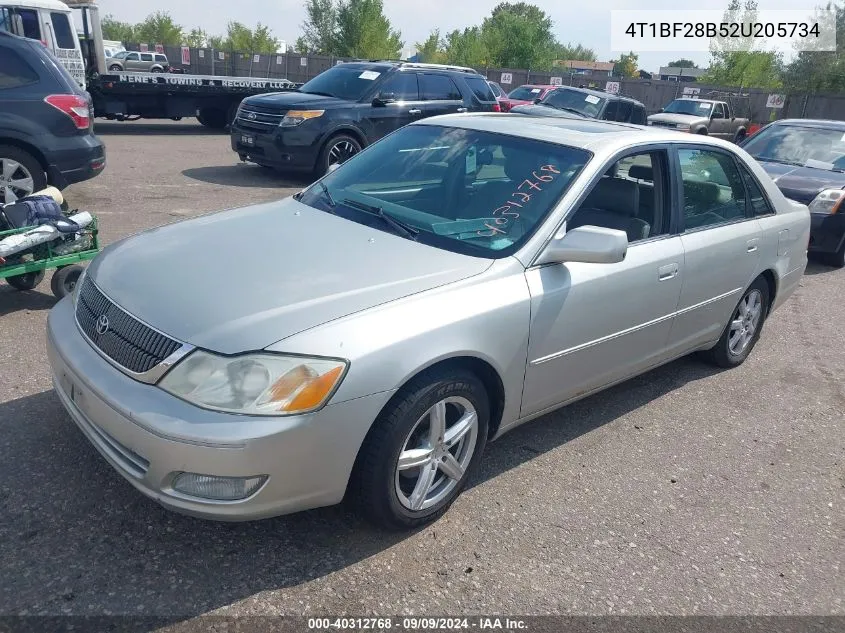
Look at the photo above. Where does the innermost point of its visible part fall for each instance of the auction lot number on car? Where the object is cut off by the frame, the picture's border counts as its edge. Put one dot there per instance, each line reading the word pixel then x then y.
pixel 416 624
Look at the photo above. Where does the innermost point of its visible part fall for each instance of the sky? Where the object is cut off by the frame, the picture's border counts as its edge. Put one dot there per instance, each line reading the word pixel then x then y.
pixel 587 24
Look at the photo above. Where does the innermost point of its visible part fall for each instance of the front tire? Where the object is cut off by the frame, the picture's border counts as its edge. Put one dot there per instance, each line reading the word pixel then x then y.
pixel 422 450
pixel 740 137
pixel 837 259
pixel 337 150
pixel 743 330
pixel 212 118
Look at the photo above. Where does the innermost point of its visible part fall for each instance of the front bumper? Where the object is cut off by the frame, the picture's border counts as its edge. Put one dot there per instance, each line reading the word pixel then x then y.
pixel 827 232
pixel 296 148
pixel 148 436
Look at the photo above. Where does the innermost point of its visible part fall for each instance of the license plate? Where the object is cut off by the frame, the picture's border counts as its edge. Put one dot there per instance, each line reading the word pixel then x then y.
pixel 246 139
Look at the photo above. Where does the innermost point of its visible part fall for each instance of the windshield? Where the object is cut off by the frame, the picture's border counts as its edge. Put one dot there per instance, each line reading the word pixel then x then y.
pixel 120 55
pixel 581 102
pixel 799 145
pixel 343 82
pixel 477 193
pixel 525 93
pixel 689 106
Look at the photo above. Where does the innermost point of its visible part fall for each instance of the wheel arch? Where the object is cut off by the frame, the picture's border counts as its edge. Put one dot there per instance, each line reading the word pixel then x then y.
pixel 772 282
pixel 28 148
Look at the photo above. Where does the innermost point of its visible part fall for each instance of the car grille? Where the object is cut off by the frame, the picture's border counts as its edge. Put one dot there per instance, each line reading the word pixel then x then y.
pixel 662 124
pixel 259 118
pixel 126 341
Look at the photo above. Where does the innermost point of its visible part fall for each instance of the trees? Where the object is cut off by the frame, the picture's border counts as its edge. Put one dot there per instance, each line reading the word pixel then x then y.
pixel 197 38
pixel 467 48
pixel 319 31
pixel 819 71
pixel 364 31
pixel 116 30
pixel 519 35
pixel 682 63
pixel 626 65
pixel 159 28
pixel 575 52
pixel 431 51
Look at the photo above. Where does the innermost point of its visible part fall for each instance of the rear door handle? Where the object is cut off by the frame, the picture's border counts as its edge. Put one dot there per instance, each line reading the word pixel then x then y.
pixel 667 272
pixel 751 245
pixel 415 111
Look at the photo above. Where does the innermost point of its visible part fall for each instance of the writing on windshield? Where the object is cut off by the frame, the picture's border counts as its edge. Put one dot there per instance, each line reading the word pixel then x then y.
pixel 505 214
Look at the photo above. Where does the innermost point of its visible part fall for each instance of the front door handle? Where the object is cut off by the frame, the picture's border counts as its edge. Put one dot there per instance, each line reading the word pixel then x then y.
pixel 667 272
pixel 415 111
pixel 751 245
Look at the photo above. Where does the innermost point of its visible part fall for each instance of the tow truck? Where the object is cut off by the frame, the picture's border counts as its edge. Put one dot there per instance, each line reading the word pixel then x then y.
pixel 213 100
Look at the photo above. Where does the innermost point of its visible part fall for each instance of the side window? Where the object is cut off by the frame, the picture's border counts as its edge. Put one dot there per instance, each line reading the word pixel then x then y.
pixel 638 115
pixel 611 111
pixel 718 111
pixel 146 57
pixel 757 199
pixel 31 28
pixel 714 192
pixel 403 86
pixel 161 58
pixel 624 113
pixel 480 88
pixel 631 196
pixel 439 88
pixel 132 57
pixel 14 71
pixel 64 34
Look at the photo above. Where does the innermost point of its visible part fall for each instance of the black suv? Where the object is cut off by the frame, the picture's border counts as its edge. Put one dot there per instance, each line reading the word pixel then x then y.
pixel 46 122
pixel 582 102
pixel 348 107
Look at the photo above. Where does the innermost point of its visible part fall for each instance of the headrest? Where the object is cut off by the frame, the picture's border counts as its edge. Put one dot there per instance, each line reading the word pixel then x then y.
pixel 616 195
pixel 641 172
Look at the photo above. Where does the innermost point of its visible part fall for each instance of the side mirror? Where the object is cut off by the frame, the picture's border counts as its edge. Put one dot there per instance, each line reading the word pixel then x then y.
pixel 538 100
pixel 587 244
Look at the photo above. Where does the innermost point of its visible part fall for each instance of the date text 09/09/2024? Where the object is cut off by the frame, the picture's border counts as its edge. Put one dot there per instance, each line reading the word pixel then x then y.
pixel 417 624
pixel 724 29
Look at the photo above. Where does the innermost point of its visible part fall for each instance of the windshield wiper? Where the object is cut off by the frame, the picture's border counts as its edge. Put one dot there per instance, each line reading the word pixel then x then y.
pixel 400 227
pixel 327 195
pixel 779 161
pixel 565 109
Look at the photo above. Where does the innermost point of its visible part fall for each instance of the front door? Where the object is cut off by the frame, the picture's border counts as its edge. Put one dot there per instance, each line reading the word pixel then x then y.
pixel 440 95
pixel 132 61
pixel 399 104
pixel 721 241
pixel 719 125
pixel 595 324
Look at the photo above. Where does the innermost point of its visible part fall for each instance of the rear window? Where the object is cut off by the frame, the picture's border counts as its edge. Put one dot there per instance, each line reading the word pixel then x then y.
pixel 480 88
pixel 62 30
pixel 14 71
pixel 438 88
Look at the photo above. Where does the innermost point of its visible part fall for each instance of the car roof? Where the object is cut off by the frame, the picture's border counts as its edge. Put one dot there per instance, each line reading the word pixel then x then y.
pixel 589 134
pixel 819 123
pixel 601 94
pixel 52 5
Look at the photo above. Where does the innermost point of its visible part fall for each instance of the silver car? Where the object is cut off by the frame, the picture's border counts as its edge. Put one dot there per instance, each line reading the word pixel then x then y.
pixel 367 336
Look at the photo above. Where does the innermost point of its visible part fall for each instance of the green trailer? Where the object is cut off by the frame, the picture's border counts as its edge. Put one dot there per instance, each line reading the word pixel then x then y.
pixel 24 271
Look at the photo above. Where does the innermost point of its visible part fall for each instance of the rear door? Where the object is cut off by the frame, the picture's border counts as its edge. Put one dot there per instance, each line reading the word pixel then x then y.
pixel 721 239
pixel 440 95
pixel 65 44
pixel 482 96
pixel 146 61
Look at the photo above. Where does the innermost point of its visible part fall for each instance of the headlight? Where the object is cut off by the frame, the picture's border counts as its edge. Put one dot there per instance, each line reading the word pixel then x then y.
pixel 255 384
pixel 828 201
pixel 295 117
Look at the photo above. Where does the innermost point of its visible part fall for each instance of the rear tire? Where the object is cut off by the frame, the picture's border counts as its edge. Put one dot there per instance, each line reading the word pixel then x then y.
pixel 743 329
pixel 394 495
pixel 213 118
pixel 740 137
pixel 24 167
pixel 26 281
pixel 64 280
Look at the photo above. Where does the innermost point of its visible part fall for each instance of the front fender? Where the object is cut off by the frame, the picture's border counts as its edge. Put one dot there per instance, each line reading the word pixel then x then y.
pixel 486 317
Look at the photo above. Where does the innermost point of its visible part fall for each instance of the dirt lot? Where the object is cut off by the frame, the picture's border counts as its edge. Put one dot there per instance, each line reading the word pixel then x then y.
pixel 685 491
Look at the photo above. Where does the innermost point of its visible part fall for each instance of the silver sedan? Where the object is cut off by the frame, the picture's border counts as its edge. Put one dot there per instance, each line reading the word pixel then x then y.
pixel 367 337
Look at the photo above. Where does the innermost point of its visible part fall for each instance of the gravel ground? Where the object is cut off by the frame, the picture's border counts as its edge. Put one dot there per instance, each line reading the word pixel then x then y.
pixel 685 491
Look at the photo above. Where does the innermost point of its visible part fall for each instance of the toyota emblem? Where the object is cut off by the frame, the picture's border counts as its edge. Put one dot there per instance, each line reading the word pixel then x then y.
pixel 102 325
pixel 251 116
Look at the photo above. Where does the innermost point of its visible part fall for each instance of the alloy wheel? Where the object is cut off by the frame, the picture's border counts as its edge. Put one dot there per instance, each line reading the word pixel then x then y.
pixel 15 181
pixel 436 453
pixel 341 152
pixel 745 321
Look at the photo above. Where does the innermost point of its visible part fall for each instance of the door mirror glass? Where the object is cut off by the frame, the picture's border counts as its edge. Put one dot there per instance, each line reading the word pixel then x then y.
pixel 587 244
pixel 384 98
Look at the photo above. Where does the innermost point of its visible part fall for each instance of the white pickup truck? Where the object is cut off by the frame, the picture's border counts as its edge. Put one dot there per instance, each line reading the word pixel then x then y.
pixel 702 116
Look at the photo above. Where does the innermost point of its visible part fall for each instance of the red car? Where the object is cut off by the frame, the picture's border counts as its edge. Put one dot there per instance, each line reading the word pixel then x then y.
pixel 525 95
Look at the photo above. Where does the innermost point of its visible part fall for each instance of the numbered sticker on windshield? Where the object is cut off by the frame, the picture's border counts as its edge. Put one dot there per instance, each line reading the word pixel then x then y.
pixel 591 99
pixel 704 106
pixel 369 74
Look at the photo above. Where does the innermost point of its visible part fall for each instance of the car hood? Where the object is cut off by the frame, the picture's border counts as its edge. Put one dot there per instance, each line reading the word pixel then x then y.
pixel 543 110
pixel 802 183
pixel 291 99
pixel 243 279
pixel 686 119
